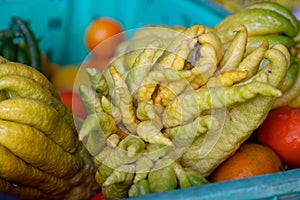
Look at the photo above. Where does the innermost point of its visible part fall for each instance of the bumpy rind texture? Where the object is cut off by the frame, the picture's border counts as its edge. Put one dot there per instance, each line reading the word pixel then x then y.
pixel 176 102
pixel 41 155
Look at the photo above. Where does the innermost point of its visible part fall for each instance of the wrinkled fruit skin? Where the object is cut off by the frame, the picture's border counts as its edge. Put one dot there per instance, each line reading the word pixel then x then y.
pixel 176 102
pixel 41 156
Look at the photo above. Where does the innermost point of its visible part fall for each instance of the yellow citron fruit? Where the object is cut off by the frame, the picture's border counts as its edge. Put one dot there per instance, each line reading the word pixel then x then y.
pixel 69 78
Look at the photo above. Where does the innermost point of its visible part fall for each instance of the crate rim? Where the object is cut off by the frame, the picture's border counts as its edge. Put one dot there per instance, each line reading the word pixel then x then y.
pixel 258 187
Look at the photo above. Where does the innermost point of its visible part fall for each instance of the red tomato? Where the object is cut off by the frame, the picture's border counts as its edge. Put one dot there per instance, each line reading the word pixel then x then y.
pixel 74 102
pixel 98 196
pixel 99 31
pixel 281 132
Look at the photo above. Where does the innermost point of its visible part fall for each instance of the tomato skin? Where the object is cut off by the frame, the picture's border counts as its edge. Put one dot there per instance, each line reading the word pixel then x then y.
pixel 98 196
pixel 281 132
pixel 101 31
pixel 66 98
pixel 74 102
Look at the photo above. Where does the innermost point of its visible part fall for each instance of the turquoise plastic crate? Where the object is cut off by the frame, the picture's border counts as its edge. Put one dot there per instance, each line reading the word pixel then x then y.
pixel 60 24
pixel 47 19
pixel 278 186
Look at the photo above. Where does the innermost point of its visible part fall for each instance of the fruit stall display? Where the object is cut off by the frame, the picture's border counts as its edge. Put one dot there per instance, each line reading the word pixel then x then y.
pixel 187 109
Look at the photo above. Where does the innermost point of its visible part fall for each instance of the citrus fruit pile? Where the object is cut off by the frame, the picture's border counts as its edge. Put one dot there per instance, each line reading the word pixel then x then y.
pixel 177 105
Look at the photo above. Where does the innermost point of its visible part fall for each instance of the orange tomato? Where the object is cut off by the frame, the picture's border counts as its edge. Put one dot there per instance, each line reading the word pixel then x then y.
pixel 101 31
pixel 251 159
pixel 74 102
pixel 65 77
pixel 69 77
pixel 281 132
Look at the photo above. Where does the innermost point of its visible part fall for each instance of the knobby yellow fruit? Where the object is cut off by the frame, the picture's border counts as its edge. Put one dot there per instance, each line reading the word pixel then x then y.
pixel 187 98
pixel 41 155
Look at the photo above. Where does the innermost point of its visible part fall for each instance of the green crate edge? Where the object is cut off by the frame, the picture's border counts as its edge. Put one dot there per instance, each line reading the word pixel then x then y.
pixel 280 185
